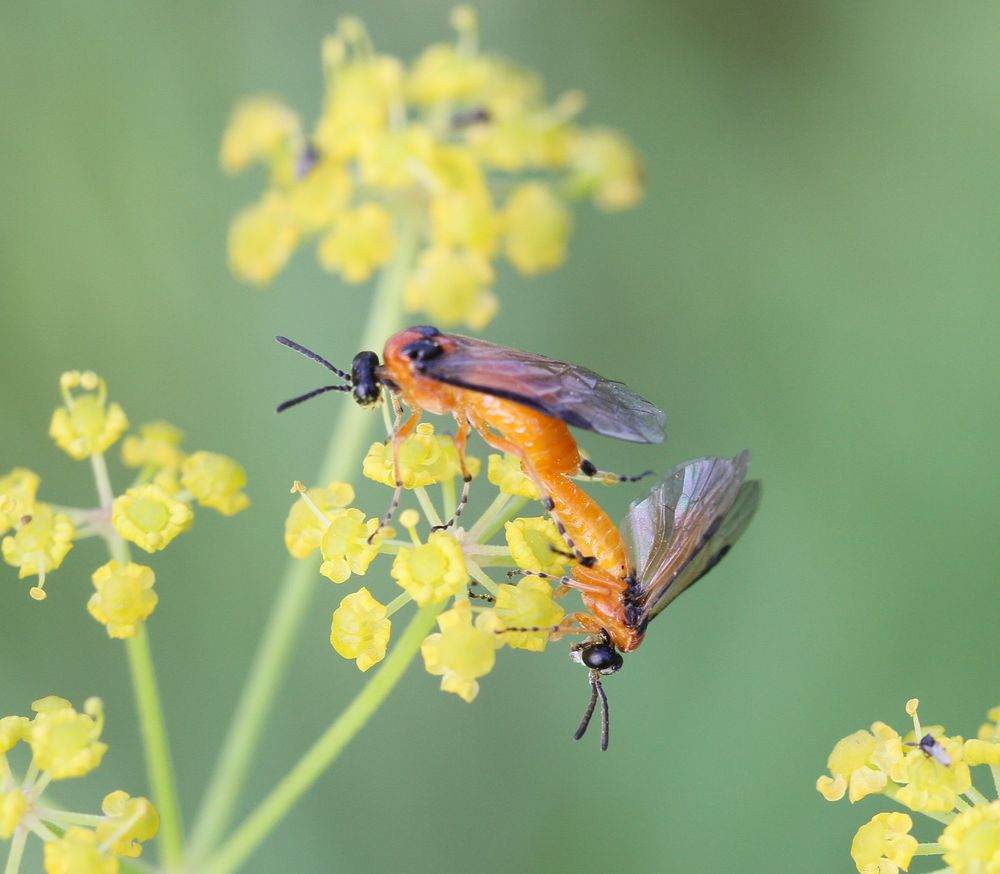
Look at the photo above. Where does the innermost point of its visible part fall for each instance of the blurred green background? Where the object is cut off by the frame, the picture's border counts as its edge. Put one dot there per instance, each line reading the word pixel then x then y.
pixel 813 275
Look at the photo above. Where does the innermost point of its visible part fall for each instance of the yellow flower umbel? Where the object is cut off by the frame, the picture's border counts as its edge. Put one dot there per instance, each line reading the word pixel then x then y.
pixel 349 544
pixel 64 742
pixel 433 571
pixel 884 844
pixel 128 822
pixel 124 598
pixel 87 424
pixel 39 545
pixel 215 481
pixel 463 651
pixel 360 629
pixel 149 517
pixel 17 496
pixel 927 773
pixel 404 160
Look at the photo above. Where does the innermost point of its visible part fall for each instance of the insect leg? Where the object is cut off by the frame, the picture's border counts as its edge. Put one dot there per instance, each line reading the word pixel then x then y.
pixel 564 582
pixel 460 439
pixel 480 597
pixel 399 434
pixel 572 623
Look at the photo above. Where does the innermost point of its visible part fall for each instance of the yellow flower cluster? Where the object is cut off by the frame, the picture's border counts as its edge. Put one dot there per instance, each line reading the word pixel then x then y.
pixel 928 772
pixel 433 150
pixel 437 569
pixel 64 744
pixel 150 514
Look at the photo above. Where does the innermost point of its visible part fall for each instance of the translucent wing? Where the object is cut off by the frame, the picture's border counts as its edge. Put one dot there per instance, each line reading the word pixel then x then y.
pixel 685 525
pixel 574 394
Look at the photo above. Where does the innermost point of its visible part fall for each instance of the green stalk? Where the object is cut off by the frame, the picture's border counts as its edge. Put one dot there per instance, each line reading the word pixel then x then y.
pixel 16 852
pixel 159 767
pixel 325 751
pixel 347 443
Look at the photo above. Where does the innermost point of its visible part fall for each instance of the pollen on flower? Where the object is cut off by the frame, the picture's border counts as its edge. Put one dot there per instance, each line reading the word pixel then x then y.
pixel 17 496
pixel 431 572
pixel 156 446
pixel 304 528
pixel 453 287
pixel 124 598
pixel 345 544
pixel 360 241
pixel 971 841
pixel 149 517
pixel 526 605
pixel 533 543
pixel 883 845
pixel 87 424
pixel 78 851
pixel 64 742
pixel 462 651
pixel 360 629
pixel 215 481
pixel 128 823
pixel 39 544
pixel 504 471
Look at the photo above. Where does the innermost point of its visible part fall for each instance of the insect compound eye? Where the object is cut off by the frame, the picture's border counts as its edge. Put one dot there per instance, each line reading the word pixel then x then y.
pixel 364 378
pixel 426 330
pixel 601 657
pixel 422 350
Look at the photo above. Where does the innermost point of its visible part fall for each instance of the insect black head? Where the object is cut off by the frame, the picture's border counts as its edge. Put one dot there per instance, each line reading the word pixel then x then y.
pixel 367 387
pixel 422 350
pixel 601 657
pixel 426 331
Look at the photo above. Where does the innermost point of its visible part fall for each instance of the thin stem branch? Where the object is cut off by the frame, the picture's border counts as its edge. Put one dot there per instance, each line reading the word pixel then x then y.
pixel 928 850
pixel 347 443
pixel 16 852
pixel 154 737
pixel 326 750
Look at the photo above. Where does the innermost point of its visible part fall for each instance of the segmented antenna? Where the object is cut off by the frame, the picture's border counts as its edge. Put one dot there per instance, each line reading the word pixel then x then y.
pixel 310 394
pixel 596 689
pixel 291 344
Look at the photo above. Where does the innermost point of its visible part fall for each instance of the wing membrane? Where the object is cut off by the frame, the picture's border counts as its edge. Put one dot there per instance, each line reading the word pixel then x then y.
pixel 576 395
pixel 685 525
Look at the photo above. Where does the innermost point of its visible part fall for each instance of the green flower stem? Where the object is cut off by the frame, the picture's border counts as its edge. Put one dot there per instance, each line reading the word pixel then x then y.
pixel 154 738
pixel 347 443
pixel 159 766
pixel 325 751
pixel 508 511
pixel 928 850
pixel 16 851
pixel 976 797
pixel 995 771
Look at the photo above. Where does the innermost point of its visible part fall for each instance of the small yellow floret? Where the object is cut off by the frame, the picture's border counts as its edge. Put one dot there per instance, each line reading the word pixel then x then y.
pixel 606 168
pixel 78 852
pixel 40 544
pixel 396 159
pixel 260 128
pixel 12 730
pixel 462 651
pixel 527 604
pixel 345 545
pixel 361 240
pixel 129 821
pixel 17 496
pixel 464 220
pixel 124 598
pixel 431 572
pixel 303 528
pixel 262 238
pixel 981 752
pixel 320 197
pixel 971 841
pixel 504 471
pixel 443 73
pixel 533 543
pixel 453 287
pixel 87 424
pixel 13 804
pixel 360 629
pixel 215 481
pixel 537 226
pixel 64 742
pixel 420 460
pixel 883 845
pixel 157 446
pixel 149 517
pixel 861 763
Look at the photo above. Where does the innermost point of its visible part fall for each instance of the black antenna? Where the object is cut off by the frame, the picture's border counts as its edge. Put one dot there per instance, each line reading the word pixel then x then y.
pixel 595 689
pixel 310 394
pixel 291 344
